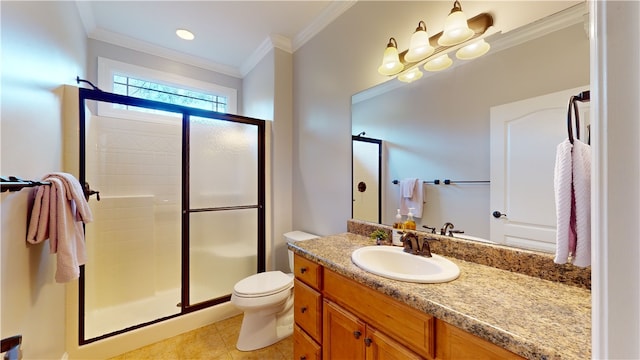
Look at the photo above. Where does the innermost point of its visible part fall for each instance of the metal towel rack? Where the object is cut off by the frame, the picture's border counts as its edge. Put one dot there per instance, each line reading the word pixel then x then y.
pixel 584 96
pixel 13 183
pixel 448 182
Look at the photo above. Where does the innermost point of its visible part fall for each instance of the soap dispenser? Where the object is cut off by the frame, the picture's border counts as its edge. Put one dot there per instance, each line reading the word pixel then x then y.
pixel 410 224
pixel 397 230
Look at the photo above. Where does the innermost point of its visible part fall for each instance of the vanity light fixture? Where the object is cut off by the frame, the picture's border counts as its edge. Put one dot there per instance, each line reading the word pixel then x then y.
pixel 185 34
pixel 473 50
pixel 465 37
pixel 419 46
pixel 410 75
pixel 438 64
pixel 391 64
pixel 456 30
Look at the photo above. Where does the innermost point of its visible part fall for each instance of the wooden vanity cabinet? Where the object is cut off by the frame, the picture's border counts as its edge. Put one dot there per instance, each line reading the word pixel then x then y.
pixel 398 328
pixel 338 318
pixel 348 337
pixel 307 307
pixel 455 343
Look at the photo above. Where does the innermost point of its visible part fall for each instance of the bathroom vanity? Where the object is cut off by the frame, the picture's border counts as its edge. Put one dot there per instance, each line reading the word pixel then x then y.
pixel 342 311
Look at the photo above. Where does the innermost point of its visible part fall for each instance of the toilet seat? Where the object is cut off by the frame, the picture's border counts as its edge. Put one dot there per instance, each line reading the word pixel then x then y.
pixel 263 284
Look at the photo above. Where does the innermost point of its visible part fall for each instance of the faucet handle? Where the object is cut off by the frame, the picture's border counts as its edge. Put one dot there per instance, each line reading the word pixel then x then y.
pixel 433 229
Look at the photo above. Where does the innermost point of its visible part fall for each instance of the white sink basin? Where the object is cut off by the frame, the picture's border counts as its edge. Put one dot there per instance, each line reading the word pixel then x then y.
pixel 393 263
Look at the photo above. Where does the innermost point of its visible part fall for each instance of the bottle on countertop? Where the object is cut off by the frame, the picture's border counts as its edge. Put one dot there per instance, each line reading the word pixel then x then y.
pixel 410 224
pixel 397 230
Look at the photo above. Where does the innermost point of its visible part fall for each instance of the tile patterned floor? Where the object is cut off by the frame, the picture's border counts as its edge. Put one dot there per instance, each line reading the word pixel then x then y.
pixel 213 342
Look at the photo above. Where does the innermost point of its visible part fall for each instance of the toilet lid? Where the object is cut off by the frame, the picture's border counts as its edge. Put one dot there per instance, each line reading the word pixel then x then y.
pixel 262 284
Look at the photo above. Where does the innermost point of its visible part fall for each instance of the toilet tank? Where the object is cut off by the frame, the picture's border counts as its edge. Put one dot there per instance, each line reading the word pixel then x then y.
pixel 294 236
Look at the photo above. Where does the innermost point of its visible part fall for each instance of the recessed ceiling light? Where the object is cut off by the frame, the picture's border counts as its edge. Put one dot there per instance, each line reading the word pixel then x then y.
pixel 185 34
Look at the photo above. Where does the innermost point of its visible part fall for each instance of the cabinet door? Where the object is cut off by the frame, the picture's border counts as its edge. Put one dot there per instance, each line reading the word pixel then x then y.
pixel 343 334
pixel 304 348
pixel 381 347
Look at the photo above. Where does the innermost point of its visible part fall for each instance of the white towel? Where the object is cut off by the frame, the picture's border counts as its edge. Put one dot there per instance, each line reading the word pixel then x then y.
pixel 572 186
pixel 415 201
pixel 562 180
pixel 57 214
pixel 407 186
pixel 581 160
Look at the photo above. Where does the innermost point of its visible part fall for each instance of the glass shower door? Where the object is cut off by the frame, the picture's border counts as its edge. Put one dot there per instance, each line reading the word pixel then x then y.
pixel 132 274
pixel 181 213
pixel 224 206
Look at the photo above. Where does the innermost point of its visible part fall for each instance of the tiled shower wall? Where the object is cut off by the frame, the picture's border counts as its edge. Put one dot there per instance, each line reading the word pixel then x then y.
pixel 136 166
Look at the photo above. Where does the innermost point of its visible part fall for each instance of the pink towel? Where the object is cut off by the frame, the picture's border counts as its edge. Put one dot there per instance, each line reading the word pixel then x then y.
pixel 58 213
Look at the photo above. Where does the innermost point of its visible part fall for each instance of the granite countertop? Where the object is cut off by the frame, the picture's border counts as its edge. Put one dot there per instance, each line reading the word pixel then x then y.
pixel 532 317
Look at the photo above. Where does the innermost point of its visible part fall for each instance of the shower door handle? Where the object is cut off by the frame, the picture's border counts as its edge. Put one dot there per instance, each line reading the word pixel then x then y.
pixel 88 192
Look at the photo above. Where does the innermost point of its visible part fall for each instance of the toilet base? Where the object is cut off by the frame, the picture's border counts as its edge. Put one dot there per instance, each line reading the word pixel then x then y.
pixel 263 328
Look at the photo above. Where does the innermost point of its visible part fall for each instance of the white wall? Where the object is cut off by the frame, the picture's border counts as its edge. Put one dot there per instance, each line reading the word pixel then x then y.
pixel 438 127
pixel 40 53
pixel 268 96
pixel 616 180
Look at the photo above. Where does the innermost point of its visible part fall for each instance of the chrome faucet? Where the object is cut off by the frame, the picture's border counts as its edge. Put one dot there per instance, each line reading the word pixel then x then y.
pixel 446 227
pixel 413 245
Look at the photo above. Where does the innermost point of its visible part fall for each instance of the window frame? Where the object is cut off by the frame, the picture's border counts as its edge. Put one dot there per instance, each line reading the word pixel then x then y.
pixel 107 68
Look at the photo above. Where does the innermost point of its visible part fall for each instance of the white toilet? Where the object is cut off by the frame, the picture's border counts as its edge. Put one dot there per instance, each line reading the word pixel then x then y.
pixel 267 301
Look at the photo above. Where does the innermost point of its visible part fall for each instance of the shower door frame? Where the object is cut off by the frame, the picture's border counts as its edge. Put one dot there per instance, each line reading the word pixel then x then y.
pixel 187 112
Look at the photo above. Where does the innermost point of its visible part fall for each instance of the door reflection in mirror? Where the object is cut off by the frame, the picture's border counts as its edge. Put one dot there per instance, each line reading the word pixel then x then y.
pixel 366 174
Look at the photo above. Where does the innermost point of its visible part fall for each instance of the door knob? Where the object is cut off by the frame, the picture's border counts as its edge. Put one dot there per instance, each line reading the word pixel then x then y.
pixel 497 214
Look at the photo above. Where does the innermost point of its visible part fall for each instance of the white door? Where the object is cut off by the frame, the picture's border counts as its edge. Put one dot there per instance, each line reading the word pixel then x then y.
pixel 524 137
pixel 366 181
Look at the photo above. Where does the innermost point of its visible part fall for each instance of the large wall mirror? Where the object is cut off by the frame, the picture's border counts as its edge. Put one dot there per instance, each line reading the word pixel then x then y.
pixel 439 127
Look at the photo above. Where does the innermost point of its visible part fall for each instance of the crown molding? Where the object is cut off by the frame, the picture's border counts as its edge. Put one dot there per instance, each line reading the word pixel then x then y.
pixel 145 47
pixel 326 17
pixel 558 21
pixel 86 16
pixel 269 43
pixel 332 11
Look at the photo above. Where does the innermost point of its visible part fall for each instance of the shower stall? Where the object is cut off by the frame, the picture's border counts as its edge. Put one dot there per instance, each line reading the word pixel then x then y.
pixel 179 213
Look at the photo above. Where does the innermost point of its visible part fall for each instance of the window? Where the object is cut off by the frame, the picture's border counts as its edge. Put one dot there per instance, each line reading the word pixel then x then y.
pixel 125 79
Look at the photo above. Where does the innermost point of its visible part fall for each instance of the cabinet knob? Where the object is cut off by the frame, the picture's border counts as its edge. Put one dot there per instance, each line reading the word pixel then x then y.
pixel 303 309
pixel 357 334
pixel 368 341
pixel 303 357
pixel 303 270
